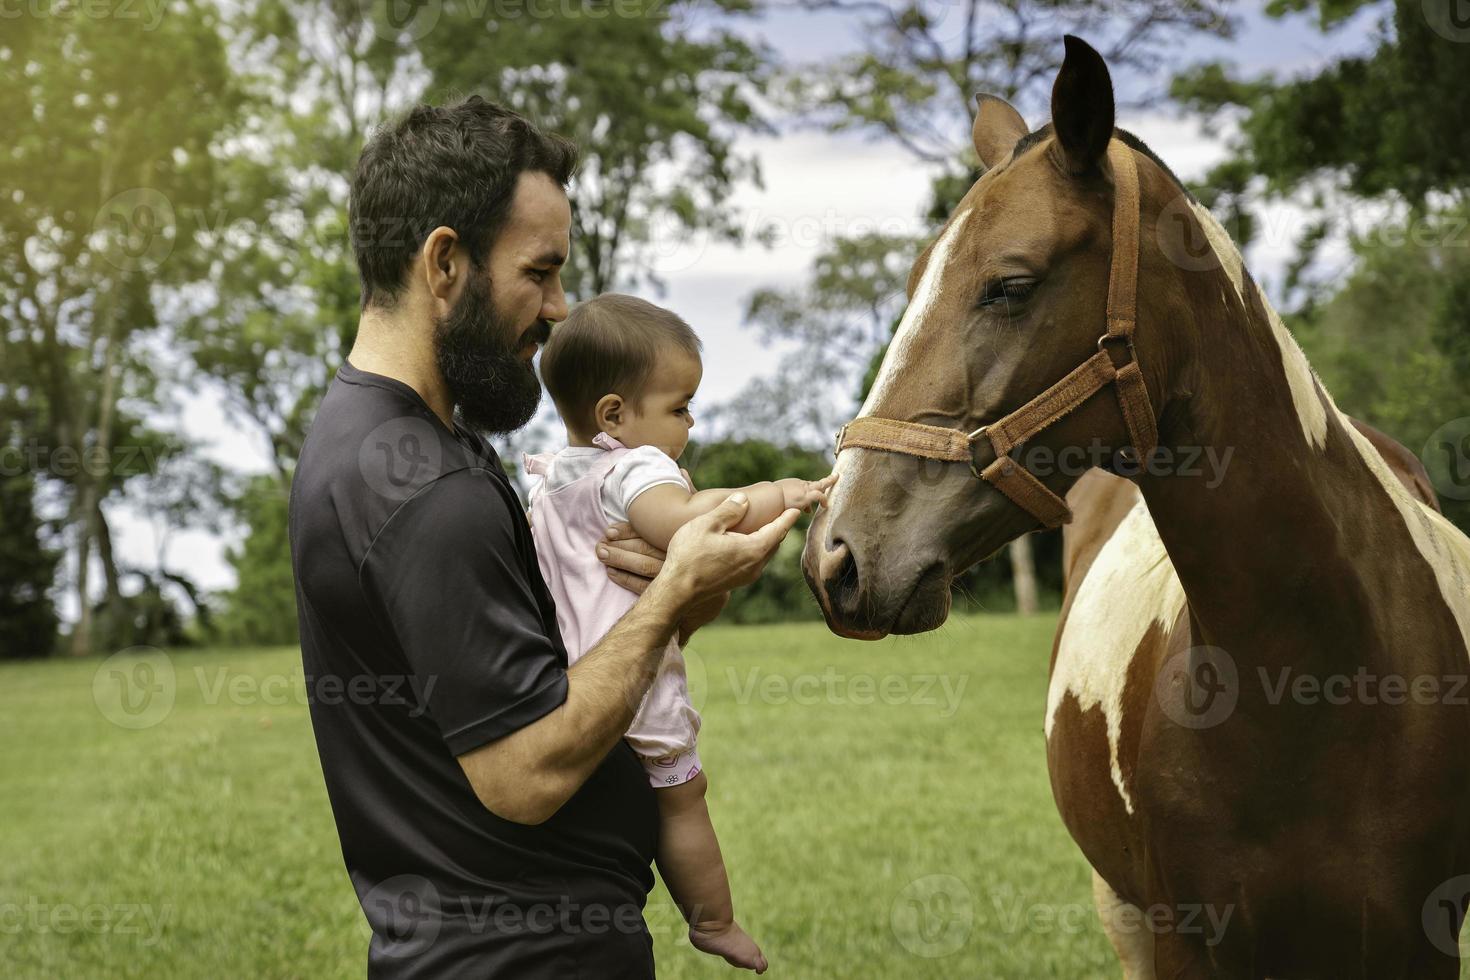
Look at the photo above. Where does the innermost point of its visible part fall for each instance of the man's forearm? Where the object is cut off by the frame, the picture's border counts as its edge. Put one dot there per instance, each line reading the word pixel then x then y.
pixel 527 775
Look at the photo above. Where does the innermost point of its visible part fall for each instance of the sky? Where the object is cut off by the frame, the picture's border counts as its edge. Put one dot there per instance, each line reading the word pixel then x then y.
pixel 817 185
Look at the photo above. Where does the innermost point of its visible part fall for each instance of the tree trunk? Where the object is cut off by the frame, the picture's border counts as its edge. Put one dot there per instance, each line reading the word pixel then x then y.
pixel 81 634
pixel 114 611
pixel 1023 575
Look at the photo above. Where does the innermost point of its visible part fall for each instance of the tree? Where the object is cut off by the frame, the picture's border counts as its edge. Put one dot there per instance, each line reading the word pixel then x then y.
pixel 101 163
pixel 654 100
pixel 654 111
pixel 924 61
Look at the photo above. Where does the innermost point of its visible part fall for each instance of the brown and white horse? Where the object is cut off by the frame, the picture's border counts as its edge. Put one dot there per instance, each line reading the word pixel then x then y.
pixel 1256 709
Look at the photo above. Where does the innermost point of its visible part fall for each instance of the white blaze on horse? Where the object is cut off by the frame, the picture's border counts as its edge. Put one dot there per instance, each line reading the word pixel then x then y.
pixel 1256 705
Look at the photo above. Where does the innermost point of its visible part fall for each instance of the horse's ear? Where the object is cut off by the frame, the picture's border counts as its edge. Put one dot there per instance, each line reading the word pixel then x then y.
pixel 997 127
pixel 1082 107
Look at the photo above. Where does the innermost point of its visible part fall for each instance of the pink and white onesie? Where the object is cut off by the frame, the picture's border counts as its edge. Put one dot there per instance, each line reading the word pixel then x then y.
pixel 583 489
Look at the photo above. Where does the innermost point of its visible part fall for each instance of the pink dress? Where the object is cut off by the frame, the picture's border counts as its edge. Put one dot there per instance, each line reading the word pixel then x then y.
pixel 567 521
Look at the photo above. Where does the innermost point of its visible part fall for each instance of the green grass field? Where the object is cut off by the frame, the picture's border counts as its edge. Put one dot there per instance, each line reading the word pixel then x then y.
pixel 883 808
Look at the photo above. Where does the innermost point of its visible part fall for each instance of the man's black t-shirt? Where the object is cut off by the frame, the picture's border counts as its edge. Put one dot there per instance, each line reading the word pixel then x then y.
pixel 426 632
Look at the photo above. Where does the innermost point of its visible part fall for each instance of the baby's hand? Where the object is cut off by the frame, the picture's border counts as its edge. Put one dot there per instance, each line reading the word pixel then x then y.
pixel 804 494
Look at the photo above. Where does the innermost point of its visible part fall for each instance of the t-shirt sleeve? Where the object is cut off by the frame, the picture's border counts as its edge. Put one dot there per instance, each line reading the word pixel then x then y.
pixel 448 581
pixel 639 470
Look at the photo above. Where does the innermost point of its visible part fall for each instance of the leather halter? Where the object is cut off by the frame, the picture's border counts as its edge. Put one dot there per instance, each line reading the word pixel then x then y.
pixel 1114 363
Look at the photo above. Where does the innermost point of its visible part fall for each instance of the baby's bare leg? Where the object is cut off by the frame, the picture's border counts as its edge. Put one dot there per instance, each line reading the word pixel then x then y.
pixel 691 865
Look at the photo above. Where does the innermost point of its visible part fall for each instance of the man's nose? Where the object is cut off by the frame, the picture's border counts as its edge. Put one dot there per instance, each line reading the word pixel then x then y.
pixel 555 306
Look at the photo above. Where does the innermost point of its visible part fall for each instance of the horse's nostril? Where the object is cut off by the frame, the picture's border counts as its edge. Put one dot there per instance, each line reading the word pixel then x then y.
pixel 840 573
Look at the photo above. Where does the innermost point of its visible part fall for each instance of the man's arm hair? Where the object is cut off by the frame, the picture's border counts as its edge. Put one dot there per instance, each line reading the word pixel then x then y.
pixel 528 775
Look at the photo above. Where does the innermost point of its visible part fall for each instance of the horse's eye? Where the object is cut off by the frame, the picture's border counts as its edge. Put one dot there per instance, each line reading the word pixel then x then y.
pixel 1007 292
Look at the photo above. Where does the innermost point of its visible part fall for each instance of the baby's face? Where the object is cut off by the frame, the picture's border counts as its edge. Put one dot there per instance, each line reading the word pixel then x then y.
pixel 662 417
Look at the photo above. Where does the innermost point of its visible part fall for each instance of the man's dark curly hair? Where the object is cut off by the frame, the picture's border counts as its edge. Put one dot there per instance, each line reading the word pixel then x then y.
pixel 454 165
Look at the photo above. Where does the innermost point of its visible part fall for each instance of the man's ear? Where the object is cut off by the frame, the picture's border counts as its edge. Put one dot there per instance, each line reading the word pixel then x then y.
pixel 610 412
pixel 997 128
pixel 443 265
pixel 1082 107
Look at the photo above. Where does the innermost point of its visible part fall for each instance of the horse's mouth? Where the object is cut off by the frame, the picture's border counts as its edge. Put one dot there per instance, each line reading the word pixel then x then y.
pixel 925 608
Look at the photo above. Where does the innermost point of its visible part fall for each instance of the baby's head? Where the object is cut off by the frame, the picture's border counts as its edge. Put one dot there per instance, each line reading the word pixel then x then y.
pixel 620 365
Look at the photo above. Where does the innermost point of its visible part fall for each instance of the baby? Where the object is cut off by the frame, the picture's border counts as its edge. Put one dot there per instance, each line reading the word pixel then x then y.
pixel 622 373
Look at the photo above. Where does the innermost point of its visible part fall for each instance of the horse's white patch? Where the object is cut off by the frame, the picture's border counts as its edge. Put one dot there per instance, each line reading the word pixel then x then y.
pixel 1222 245
pixel 1444 546
pixel 894 362
pixel 1303 382
pixel 925 296
pixel 1130 586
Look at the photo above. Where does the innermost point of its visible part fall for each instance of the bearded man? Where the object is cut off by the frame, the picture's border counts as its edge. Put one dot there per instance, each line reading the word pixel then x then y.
pixel 493 822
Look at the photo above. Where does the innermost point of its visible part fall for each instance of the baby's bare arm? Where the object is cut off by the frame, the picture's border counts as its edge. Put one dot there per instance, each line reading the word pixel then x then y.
pixel 658 512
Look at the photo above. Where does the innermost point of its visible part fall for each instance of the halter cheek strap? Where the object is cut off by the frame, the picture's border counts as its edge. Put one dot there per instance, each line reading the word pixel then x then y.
pixel 1114 363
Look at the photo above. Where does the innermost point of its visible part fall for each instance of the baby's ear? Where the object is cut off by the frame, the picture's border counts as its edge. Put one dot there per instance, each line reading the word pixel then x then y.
pixel 609 411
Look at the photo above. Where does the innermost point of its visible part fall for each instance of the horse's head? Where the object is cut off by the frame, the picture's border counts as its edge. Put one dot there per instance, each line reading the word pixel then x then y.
pixel 1011 298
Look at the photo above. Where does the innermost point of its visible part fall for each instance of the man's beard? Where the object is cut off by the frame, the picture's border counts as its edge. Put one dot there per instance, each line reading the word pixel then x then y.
pixel 494 390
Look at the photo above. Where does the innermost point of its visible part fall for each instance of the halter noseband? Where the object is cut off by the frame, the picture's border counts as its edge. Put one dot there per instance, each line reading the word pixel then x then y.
pixel 1114 363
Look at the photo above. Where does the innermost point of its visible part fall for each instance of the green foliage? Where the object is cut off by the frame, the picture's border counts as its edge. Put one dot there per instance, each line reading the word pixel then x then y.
pixel 780 593
pixel 111 124
pixel 261 609
pixel 642 94
pixel 1387 123
pixel 1390 344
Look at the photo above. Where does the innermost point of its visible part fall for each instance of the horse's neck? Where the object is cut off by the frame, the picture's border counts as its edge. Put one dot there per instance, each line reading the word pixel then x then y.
pixel 1268 542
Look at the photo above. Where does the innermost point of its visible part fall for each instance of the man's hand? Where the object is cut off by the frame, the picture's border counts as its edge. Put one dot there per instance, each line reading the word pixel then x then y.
pixel 632 563
pixel 705 558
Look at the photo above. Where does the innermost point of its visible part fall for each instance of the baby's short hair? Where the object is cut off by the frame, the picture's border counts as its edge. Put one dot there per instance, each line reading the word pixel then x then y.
pixel 608 344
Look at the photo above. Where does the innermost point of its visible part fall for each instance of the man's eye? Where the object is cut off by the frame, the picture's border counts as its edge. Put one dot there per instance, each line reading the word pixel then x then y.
pixel 1007 292
pixel 539 274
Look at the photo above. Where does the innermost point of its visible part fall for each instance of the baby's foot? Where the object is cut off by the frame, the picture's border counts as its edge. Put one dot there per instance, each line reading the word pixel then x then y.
pixel 732 943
